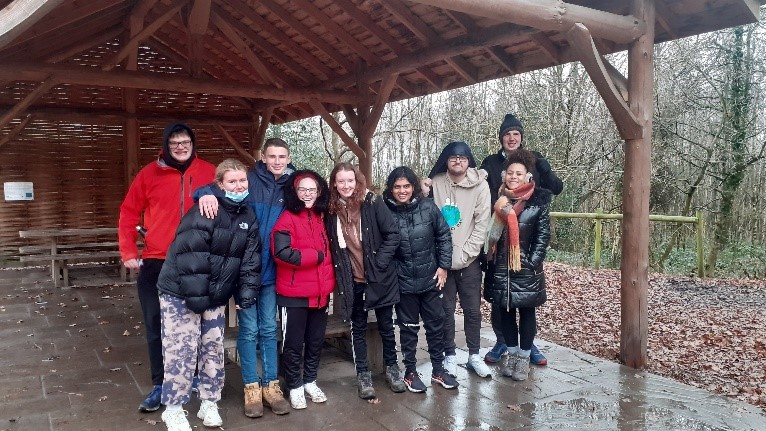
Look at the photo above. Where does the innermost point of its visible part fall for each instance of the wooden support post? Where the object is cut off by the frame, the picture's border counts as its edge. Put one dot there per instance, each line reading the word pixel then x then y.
pixel 260 134
pixel 131 129
pixel 635 196
pixel 700 237
pixel 597 245
pixel 241 151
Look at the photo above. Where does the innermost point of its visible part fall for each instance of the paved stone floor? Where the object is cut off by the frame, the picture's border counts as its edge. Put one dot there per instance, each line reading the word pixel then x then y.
pixel 75 360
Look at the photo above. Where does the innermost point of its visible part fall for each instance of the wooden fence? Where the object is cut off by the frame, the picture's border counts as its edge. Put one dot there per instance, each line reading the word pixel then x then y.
pixel 599 215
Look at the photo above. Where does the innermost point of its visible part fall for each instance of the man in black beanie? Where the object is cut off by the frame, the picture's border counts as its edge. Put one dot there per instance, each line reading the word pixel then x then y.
pixel 511 136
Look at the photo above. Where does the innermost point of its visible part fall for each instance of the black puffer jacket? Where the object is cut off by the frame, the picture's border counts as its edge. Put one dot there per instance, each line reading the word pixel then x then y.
pixel 425 244
pixel 525 288
pixel 211 260
pixel 380 238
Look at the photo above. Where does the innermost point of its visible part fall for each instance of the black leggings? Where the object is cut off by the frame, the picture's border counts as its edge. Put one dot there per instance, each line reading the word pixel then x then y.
pixel 523 334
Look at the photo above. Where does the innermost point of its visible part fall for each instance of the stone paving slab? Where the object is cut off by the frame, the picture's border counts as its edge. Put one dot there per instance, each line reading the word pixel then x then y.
pixel 75 359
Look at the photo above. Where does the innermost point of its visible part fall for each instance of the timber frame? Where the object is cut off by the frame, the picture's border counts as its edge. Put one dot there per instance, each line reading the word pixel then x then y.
pixel 233 67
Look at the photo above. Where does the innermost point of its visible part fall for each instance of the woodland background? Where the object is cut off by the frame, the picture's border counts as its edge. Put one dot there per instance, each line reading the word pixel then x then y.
pixel 708 150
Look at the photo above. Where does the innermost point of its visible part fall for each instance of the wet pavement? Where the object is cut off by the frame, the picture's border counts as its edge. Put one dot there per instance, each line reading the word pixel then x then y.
pixel 76 360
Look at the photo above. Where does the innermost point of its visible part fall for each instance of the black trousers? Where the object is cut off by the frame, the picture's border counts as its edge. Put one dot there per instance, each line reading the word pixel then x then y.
pixel 302 345
pixel 410 309
pixel 523 334
pixel 385 317
pixel 465 283
pixel 497 327
pixel 150 307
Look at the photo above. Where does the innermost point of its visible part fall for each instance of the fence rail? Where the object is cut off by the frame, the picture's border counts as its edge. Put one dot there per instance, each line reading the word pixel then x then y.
pixel 599 215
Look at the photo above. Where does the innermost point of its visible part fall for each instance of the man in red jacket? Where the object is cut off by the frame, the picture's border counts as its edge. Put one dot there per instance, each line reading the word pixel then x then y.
pixel 162 193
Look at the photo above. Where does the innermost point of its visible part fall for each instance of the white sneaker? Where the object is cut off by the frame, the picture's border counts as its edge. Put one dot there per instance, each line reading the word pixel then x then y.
pixel 208 412
pixel 298 398
pixel 175 420
pixel 314 392
pixel 450 365
pixel 476 363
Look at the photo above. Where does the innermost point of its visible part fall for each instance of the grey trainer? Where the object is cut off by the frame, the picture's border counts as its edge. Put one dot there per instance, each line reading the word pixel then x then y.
pixel 364 385
pixel 520 367
pixel 394 379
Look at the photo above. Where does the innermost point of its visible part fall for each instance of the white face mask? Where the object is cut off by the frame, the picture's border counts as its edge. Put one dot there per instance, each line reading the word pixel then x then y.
pixel 237 196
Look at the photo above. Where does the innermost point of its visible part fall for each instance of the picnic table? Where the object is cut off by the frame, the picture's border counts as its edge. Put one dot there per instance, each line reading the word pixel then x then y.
pixel 59 250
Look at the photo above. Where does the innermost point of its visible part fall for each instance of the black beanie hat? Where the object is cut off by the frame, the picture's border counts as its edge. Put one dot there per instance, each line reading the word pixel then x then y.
pixel 510 122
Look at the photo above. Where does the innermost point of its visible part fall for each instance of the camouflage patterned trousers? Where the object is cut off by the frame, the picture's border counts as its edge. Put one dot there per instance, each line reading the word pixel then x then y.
pixel 185 334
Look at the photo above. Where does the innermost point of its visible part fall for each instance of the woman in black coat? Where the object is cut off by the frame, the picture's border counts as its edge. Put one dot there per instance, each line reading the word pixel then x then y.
pixel 363 239
pixel 422 259
pixel 517 243
pixel 209 261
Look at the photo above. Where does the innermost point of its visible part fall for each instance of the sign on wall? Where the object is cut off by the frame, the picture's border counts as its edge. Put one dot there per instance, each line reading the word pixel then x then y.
pixel 19 191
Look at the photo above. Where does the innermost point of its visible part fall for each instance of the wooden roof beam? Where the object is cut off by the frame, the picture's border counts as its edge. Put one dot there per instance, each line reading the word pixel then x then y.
pixel 430 37
pixel 370 25
pixel 199 17
pixel 145 33
pixel 337 128
pixel 84 45
pixel 16 130
pixel 261 23
pixel 502 57
pixel 20 15
pixel 371 122
pixel 88 115
pixel 253 37
pixel 30 98
pixel 550 15
pixel 89 76
pixel 547 47
pixel 627 123
pixel 233 142
pixel 244 49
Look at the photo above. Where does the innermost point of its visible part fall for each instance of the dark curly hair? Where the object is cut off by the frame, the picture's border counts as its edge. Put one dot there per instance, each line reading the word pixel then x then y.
pixel 406 173
pixel 524 157
pixel 294 204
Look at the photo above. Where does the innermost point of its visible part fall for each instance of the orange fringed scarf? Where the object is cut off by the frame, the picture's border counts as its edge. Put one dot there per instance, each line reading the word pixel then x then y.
pixel 516 198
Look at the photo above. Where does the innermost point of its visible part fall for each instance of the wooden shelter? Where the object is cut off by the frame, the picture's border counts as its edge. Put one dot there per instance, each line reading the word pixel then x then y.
pixel 85 86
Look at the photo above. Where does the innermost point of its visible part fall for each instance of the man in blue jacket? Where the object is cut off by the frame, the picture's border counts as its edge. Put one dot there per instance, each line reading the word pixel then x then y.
pixel 259 323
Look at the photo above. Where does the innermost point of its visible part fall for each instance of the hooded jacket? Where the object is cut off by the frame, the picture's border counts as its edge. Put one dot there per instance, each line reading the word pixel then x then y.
pixel 425 244
pixel 544 176
pixel 380 239
pixel 163 194
pixel 525 288
pixel 211 260
pixel 305 276
pixel 465 205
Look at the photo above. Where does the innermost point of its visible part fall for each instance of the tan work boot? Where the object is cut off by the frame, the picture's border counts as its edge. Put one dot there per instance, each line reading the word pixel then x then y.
pixel 274 398
pixel 253 400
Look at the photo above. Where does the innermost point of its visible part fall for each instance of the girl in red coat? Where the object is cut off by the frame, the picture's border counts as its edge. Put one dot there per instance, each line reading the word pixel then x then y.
pixel 305 279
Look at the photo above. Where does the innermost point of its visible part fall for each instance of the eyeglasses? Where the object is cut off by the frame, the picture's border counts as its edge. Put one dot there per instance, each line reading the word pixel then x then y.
pixel 457 159
pixel 310 191
pixel 173 145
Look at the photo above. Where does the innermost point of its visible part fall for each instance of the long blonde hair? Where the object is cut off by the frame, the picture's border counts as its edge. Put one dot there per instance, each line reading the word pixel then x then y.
pixel 226 166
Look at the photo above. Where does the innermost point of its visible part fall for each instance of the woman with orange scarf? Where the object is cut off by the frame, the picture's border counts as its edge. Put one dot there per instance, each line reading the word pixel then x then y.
pixel 517 242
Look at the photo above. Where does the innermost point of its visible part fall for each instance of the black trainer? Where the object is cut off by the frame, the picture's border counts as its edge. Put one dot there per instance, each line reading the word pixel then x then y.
pixel 444 379
pixel 413 382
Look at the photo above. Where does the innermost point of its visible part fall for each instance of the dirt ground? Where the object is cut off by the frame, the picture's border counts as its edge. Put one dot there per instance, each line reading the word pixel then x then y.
pixel 709 333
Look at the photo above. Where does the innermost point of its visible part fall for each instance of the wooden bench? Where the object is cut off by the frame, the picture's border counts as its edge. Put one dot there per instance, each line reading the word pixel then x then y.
pixel 60 256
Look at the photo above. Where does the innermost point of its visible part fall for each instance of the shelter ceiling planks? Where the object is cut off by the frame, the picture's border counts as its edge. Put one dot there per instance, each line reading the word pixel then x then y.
pixel 312 49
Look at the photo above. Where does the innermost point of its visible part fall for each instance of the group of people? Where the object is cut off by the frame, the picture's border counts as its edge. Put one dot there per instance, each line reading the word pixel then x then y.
pixel 281 240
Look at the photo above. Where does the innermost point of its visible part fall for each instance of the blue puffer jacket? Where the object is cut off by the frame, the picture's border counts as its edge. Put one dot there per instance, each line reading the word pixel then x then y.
pixel 266 198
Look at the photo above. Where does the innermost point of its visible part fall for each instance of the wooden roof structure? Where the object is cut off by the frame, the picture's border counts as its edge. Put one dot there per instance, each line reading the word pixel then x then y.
pixel 232 67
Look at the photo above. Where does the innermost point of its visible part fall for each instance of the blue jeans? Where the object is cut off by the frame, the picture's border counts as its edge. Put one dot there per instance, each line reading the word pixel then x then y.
pixel 259 323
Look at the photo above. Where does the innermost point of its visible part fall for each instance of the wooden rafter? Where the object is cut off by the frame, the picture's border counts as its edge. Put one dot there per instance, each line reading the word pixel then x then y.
pixel 627 123
pixel 233 142
pixel 550 15
pixel 503 58
pixel 547 47
pixel 370 25
pixel 144 34
pixel 371 122
pixel 259 22
pixel 16 130
pixel 431 38
pixel 141 8
pixel 244 49
pixel 337 128
pixel 44 87
pixel 165 82
pixel 197 23
pixel 20 15
pixel 118 116
pixel 263 126
pixel 84 45
pixel 253 37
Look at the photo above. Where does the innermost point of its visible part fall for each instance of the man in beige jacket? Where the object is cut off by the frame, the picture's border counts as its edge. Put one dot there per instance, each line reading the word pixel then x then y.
pixel 462 193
